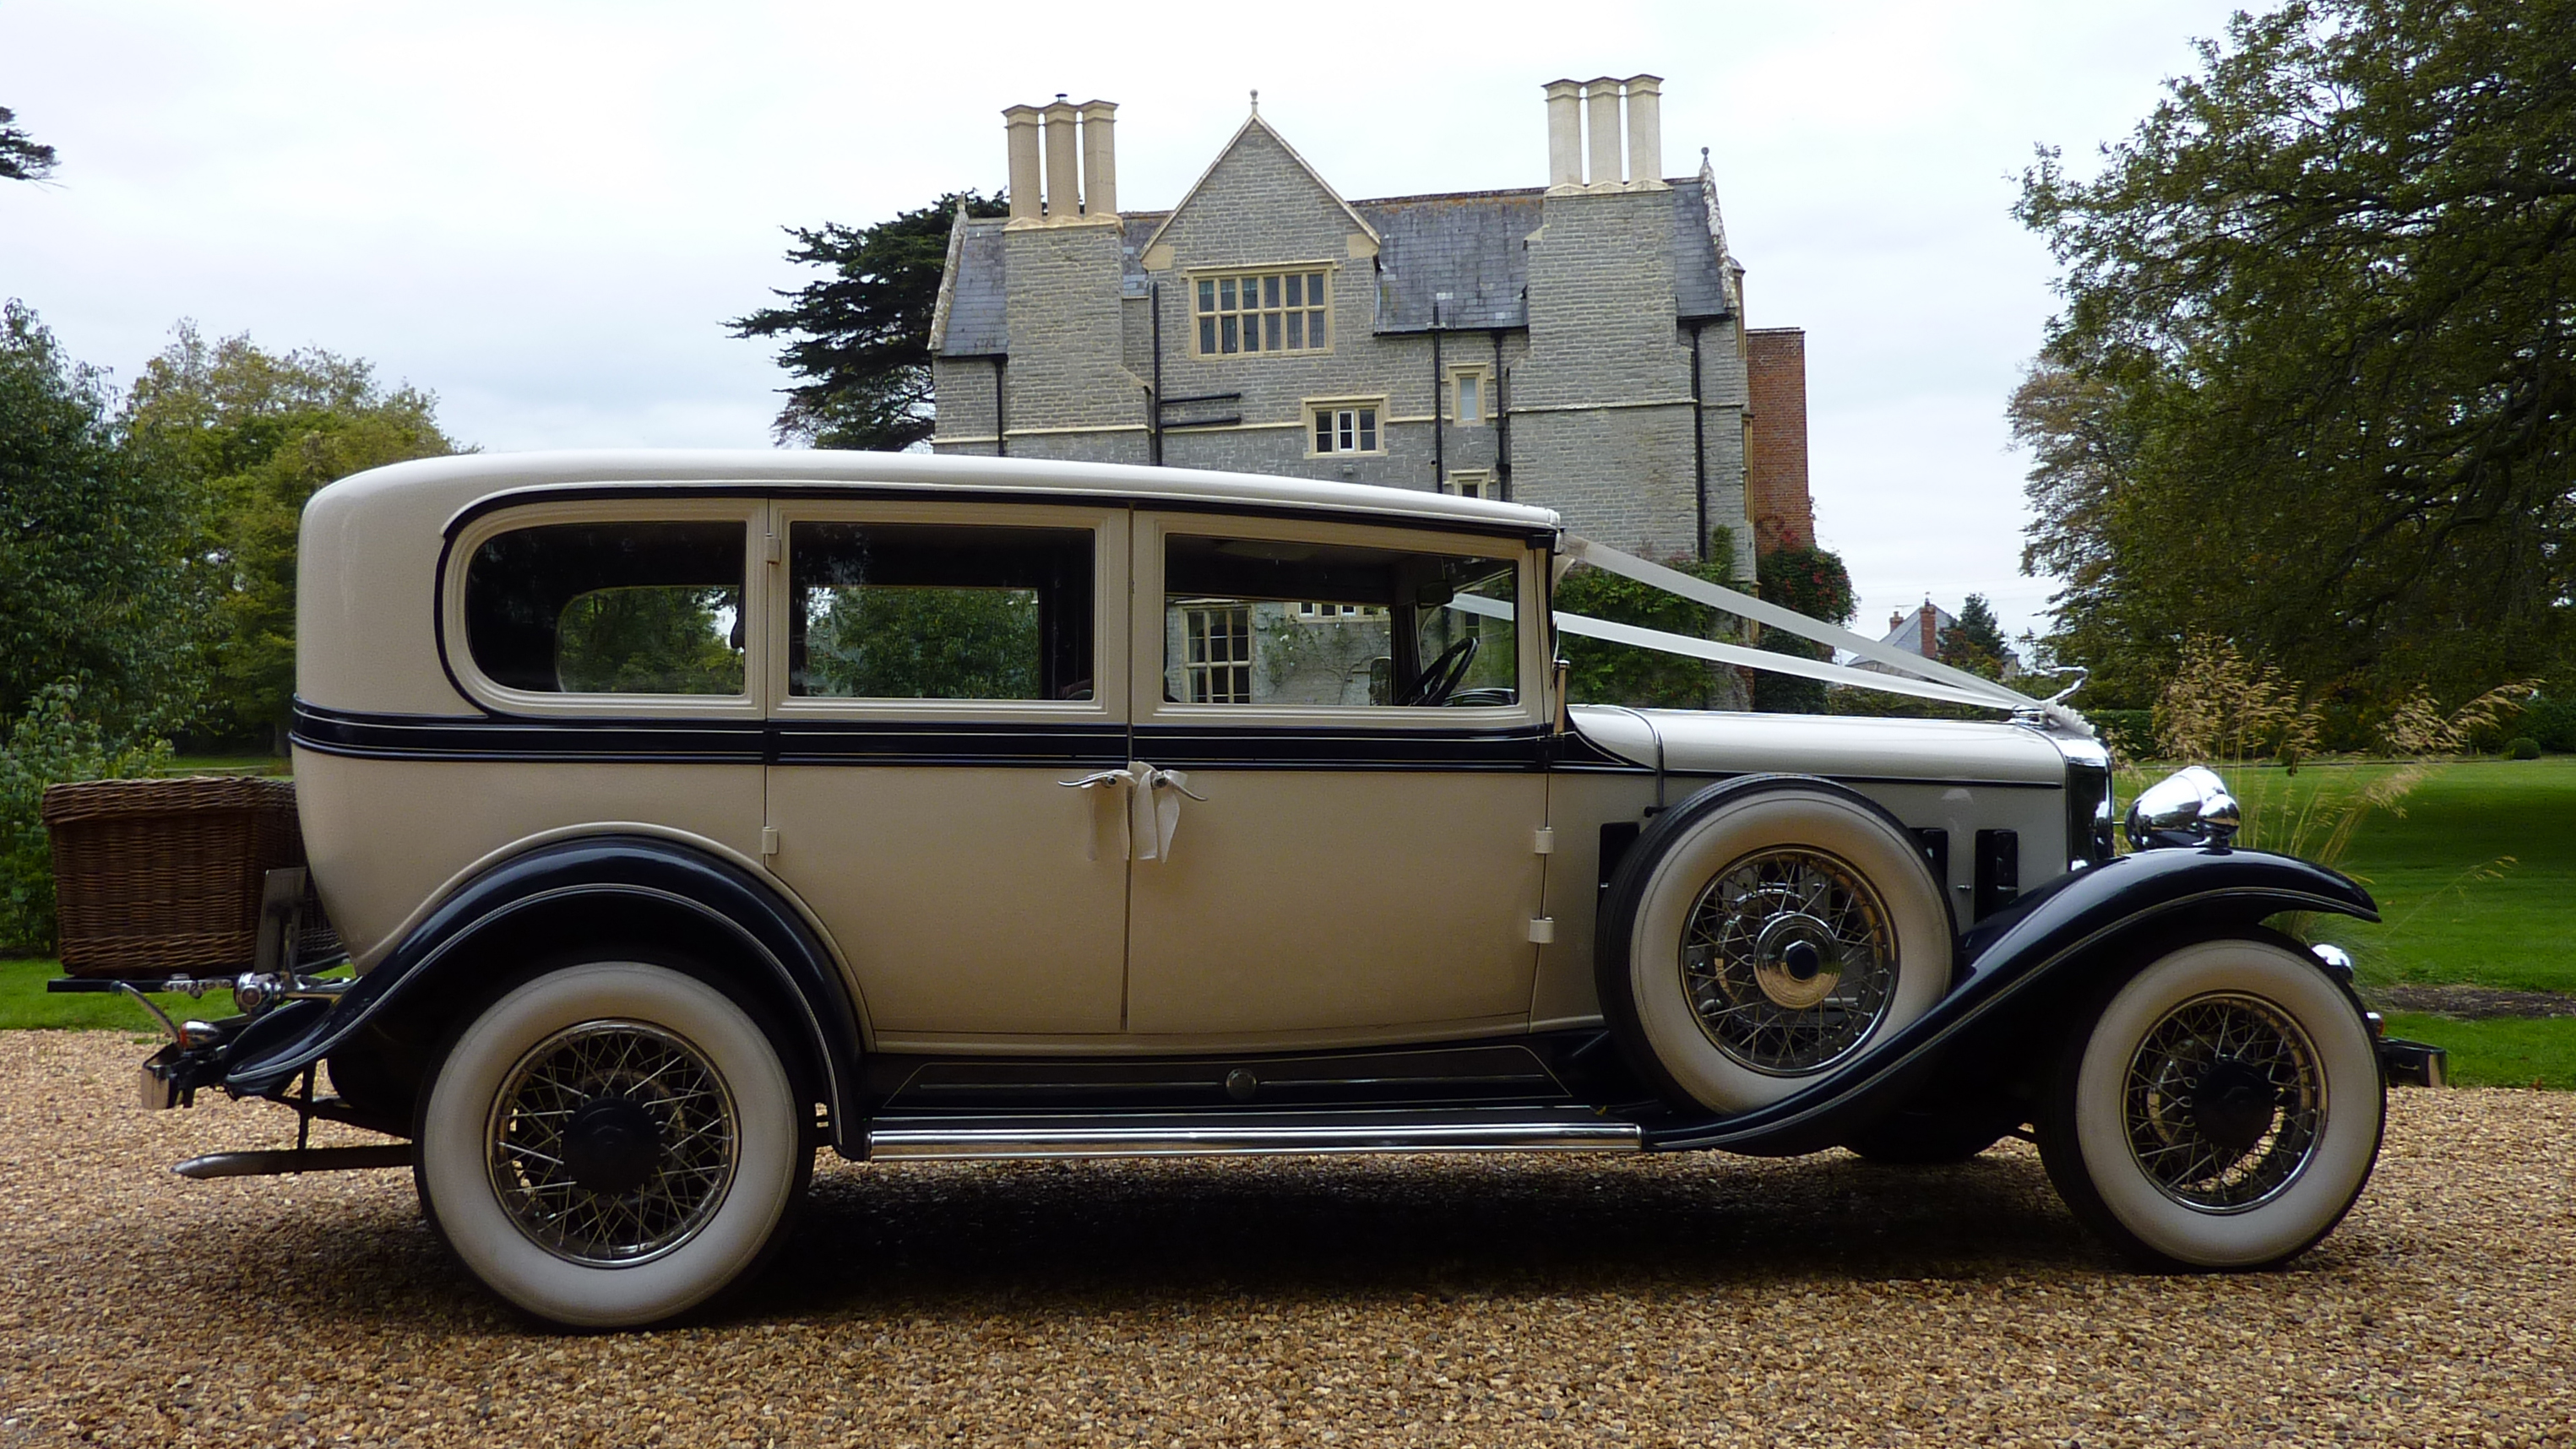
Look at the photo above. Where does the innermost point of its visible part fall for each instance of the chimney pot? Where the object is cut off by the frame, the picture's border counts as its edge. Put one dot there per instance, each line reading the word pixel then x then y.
pixel 1601 114
pixel 1063 185
pixel 1099 159
pixel 1020 126
pixel 1564 133
pixel 1645 128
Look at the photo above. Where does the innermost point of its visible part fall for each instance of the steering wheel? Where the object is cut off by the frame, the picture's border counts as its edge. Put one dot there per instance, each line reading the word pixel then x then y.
pixel 1440 679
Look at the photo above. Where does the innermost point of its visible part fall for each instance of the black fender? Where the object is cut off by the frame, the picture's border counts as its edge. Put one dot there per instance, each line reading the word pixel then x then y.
pixel 644 877
pixel 2067 930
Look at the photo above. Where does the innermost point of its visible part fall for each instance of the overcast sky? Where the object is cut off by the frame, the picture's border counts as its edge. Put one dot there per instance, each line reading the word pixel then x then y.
pixel 544 213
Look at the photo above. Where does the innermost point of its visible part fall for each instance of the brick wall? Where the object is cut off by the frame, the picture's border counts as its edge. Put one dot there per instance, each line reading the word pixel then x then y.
pixel 1775 439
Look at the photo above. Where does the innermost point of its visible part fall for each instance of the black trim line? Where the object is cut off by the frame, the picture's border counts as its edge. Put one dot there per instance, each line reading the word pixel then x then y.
pixel 945 743
pixel 523 737
pixel 1343 747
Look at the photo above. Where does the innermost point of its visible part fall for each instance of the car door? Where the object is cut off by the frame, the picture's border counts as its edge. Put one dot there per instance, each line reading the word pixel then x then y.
pixel 945 666
pixel 1329 850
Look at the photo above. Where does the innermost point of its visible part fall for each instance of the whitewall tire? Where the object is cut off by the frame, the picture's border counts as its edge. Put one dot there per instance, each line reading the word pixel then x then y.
pixel 611 1144
pixel 1766 935
pixel 2220 1110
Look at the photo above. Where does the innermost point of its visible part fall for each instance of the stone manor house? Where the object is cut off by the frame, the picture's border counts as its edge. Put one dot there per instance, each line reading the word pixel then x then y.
pixel 1580 345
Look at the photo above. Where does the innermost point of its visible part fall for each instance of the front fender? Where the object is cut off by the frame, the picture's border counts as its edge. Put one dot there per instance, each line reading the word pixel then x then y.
pixel 638 874
pixel 2062 928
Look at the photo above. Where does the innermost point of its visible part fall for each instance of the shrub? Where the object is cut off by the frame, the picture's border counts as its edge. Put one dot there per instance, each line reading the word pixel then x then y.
pixel 2524 747
pixel 2130 733
pixel 48 745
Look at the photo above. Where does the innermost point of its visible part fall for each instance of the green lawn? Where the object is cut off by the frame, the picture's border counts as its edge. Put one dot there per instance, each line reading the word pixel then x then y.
pixel 2476 883
pixel 25 1002
pixel 245 764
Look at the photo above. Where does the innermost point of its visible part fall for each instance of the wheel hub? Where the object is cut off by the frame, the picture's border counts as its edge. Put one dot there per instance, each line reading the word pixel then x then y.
pixel 1797 961
pixel 1789 960
pixel 612 1142
pixel 2233 1104
pixel 611 1145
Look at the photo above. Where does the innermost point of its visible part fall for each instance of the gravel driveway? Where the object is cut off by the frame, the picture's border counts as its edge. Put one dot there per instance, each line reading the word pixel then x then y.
pixel 1440 1300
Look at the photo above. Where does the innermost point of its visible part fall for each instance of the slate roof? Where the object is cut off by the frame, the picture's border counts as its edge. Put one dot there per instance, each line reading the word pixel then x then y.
pixel 1469 245
pixel 977 325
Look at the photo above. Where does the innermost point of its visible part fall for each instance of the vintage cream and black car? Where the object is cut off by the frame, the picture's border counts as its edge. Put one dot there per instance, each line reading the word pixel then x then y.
pixel 684 813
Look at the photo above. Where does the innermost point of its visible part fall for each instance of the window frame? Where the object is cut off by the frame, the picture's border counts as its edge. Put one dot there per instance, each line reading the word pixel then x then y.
pixel 1192 276
pixel 1108 528
pixel 1315 405
pixel 457 652
pixel 1146 644
pixel 1484 376
pixel 1481 479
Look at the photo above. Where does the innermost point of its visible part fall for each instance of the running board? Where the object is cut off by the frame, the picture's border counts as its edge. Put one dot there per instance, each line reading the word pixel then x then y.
pixel 1245 1134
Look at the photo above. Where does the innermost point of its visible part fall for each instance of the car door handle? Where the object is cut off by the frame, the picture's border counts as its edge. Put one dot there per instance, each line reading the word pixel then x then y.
pixel 1108 780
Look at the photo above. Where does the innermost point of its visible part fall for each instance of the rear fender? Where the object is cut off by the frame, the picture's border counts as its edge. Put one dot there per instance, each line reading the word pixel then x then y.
pixel 2057 939
pixel 623 888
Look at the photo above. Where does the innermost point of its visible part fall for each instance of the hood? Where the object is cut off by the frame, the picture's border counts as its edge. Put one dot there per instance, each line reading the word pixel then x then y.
pixel 1704 742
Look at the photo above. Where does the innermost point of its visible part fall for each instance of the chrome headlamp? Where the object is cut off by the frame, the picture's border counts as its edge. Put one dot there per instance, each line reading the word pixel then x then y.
pixel 2191 806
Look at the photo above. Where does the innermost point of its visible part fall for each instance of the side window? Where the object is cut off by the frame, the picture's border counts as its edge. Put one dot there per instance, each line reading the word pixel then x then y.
pixel 938 611
pixel 609 608
pixel 1281 623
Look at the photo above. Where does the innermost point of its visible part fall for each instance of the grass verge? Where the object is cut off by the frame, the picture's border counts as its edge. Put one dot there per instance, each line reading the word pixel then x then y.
pixel 24 1002
pixel 2501 1051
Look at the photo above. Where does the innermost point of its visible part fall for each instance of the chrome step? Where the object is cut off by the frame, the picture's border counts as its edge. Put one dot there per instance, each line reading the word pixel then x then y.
pixel 1246 1134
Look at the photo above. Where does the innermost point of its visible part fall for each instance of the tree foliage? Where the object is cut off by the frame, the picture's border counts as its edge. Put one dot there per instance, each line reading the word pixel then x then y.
pixel 22 157
pixel 2313 388
pixel 1813 582
pixel 1976 642
pixel 255 434
pixel 859 338
pixel 100 574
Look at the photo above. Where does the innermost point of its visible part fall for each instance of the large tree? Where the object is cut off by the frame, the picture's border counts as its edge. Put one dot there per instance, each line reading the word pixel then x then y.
pixel 860 336
pixel 2314 384
pixel 255 434
pixel 101 579
pixel 22 157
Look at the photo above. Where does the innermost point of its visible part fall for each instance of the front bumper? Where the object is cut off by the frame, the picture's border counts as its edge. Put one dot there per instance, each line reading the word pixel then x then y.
pixel 2413 1063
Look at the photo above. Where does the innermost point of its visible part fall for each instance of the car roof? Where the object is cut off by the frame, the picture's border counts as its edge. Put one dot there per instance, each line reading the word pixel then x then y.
pixel 473 479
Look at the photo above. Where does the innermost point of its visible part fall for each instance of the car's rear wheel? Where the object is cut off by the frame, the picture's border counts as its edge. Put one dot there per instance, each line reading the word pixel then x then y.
pixel 611 1144
pixel 1764 934
pixel 2220 1110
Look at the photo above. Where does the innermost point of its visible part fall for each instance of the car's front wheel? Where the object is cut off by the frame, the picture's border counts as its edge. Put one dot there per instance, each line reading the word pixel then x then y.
pixel 2219 1110
pixel 610 1144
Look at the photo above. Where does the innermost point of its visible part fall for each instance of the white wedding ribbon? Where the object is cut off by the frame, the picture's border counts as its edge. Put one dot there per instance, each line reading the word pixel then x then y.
pixel 1917 676
pixel 1161 791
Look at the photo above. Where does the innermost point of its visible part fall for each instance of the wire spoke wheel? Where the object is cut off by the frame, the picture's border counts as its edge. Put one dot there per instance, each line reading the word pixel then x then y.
pixel 612 1143
pixel 2223 1102
pixel 1788 959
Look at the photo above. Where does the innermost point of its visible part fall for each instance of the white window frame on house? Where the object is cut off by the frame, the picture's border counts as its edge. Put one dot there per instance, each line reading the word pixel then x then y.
pixel 1222 325
pixel 1310 612
pixel 1472 483
pixel 1480 380
pixel 1217 663
pixel 1356 427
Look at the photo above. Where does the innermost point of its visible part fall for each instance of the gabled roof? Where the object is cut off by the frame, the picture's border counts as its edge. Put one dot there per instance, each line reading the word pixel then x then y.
pixel 1250 124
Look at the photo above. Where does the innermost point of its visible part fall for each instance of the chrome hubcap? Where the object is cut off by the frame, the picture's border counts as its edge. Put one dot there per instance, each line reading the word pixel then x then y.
pixel 2223 1102
pixel 1788 960
pixel 612 1143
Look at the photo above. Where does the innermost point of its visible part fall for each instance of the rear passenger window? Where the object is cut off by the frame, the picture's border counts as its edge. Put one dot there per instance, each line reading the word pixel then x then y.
pixel 938 611
pixel 609 608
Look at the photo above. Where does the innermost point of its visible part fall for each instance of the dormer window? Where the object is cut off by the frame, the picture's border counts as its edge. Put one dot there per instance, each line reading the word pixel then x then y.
pixel 1262 312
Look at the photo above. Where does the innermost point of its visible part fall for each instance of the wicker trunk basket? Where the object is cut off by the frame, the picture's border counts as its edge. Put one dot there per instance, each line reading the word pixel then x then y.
pixel 163 877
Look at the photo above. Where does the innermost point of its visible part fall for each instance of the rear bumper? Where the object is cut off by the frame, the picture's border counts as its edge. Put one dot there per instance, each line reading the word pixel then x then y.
pixel 2413 1063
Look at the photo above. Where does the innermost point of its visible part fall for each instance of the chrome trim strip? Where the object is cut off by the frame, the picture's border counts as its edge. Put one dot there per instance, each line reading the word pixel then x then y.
pixel 968 1139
